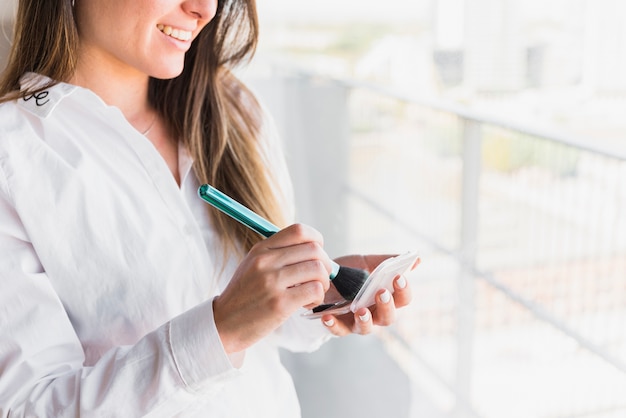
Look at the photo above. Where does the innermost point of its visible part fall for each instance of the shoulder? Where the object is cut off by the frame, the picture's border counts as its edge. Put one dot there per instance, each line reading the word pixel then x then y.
pixel 15 123
pixel 17 134
pixel 8 111
pixel 24 116
pixel 12 120
pixel 23 123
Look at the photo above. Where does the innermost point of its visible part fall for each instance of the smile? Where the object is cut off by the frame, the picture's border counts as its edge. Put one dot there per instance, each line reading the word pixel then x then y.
pixel 180 34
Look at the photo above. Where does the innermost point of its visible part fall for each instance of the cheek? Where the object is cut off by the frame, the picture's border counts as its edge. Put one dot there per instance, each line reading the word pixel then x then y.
pixel 101 26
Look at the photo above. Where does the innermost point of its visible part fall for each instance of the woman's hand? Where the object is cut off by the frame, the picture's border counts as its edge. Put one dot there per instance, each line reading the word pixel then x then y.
pixel 383 312
pixel 279 275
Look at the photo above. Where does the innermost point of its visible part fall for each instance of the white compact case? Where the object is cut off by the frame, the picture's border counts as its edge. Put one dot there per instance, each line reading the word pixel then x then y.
pixel 381 277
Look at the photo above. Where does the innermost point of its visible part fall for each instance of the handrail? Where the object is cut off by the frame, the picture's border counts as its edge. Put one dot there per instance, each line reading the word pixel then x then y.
pixel 466 112
pixel 472 178
pixel 536 310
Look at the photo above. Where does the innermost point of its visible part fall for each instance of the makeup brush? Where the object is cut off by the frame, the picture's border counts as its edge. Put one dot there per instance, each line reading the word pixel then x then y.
pixel 348 281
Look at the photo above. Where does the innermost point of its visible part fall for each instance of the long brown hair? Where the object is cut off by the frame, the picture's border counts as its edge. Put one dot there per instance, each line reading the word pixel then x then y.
pixel 218 118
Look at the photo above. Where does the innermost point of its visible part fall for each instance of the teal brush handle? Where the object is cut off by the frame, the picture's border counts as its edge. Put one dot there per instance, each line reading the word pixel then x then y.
pixel 242 214
pixel 237 211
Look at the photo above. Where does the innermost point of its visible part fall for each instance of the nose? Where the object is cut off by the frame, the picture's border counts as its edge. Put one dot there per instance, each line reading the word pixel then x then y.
pixel 201 9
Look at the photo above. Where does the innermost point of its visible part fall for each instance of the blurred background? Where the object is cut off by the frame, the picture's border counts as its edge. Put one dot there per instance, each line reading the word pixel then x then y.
pixel 489 136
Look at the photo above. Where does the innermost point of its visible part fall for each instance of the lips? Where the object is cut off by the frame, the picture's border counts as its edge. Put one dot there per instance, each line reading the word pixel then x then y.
pixel 180 34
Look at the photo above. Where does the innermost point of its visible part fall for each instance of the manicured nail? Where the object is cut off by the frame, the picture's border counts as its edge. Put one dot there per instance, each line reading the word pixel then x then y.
pixel 365 317
pixel 385 297
pixel 329 322
pixel 417 263
pixel 401 282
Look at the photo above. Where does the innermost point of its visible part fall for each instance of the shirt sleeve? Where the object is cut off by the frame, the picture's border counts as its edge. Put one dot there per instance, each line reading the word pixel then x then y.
pixel 42 370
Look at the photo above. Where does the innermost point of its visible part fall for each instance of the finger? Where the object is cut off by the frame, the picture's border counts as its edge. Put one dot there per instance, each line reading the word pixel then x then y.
pixel 303 272
pixel 385 312
pixel 336 327
pixel 306 294
pixel 295 244
pixel 372 261
pixel 363 321
pixel 307 251
pixel 363 262
pixel 293 235
pixel 402 291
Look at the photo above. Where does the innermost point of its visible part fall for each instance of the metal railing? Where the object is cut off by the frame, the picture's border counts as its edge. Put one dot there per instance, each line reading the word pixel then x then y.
pixel 520 302
pixel 533 219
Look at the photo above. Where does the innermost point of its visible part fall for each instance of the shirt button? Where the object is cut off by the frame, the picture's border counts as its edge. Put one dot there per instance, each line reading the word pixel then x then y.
pixel 187 230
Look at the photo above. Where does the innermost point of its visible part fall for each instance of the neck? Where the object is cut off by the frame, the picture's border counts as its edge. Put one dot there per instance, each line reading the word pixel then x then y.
pixel 127 90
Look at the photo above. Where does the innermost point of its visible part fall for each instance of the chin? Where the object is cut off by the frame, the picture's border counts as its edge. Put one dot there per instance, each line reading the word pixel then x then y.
pixel 166 69
pixel 166 73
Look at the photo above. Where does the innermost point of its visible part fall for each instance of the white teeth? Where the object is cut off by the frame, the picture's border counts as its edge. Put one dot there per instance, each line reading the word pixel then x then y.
pixel 181 35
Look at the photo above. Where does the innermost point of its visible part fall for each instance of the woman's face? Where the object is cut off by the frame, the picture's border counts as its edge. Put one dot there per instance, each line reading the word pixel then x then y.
pixel 149 36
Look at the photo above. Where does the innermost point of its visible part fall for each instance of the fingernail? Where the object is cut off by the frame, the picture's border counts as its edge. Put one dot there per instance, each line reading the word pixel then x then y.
pixel 417 263
pixel 329 322
pixel 365 317
pixel 401 282
pixel 385 297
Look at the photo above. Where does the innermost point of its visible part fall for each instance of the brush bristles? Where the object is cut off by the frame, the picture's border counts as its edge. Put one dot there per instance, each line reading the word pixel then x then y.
pixel 349 281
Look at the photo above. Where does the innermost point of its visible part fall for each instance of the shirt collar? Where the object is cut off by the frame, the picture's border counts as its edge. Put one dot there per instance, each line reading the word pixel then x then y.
pixel 185 162
pixel 44 102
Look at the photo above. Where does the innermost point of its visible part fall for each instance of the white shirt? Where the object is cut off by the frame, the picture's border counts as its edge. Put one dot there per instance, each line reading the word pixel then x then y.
pixel 107 273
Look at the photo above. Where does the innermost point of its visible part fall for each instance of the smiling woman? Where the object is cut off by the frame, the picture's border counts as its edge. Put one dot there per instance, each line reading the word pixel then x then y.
pixel 143 22
pixel 122 293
